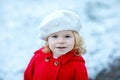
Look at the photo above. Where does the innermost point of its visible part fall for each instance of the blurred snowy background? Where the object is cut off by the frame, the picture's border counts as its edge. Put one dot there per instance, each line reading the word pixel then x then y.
pixel 19 34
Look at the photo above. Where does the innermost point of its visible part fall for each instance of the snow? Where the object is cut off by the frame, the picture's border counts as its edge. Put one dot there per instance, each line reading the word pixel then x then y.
pixel 19 32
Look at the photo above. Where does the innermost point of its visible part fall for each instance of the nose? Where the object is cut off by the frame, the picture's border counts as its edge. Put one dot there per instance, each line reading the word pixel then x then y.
pixel 61 40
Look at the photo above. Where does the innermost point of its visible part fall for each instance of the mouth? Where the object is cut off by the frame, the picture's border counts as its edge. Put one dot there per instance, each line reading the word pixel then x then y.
pixel 61 47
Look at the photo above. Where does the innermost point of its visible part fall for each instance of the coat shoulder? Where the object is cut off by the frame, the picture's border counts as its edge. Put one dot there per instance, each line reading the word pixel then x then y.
pixel 78 59
pixel 38 53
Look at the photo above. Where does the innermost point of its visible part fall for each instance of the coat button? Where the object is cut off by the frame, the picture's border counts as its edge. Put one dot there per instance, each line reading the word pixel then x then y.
pixel 47 59
pixel 56 63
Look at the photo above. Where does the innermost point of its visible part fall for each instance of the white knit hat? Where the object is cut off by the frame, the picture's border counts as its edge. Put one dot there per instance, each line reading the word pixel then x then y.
pixel 58 21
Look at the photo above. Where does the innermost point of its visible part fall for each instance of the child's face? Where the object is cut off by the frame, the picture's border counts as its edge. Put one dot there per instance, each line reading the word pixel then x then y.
pixel 61 42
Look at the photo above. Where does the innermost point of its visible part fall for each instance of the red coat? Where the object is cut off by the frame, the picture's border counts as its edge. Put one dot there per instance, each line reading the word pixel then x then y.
pixel 67 67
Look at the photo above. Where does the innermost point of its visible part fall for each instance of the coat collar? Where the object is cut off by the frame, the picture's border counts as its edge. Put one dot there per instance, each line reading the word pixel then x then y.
pixel 66 57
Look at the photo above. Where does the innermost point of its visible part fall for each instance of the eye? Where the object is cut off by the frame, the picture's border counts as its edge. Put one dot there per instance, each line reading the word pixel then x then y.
pixel 54 36
pixel 67 36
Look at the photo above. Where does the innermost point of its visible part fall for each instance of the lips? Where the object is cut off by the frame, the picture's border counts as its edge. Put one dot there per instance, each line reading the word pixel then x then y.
pixel 61 47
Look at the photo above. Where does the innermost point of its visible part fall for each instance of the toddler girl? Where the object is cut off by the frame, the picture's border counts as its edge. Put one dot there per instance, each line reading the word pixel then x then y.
pixel 60 58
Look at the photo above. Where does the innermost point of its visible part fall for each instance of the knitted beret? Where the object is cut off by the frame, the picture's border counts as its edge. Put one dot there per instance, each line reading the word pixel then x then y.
pixel 58 21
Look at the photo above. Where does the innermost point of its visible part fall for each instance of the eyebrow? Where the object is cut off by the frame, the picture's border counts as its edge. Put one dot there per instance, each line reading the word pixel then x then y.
pixel 62 34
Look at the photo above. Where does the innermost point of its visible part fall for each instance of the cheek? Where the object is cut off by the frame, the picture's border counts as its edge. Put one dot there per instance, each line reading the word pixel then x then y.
pixel 72 42
pixel 51 44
